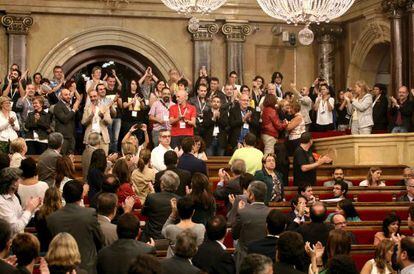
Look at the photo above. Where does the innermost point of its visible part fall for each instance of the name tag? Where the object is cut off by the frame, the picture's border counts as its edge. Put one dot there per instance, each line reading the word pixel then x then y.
pixel 246 125
pixel 46 110
pixel 258 109
pixel 134 114
pixel 166 118
pixel 182 124
pixel 147 102
pixel 216 131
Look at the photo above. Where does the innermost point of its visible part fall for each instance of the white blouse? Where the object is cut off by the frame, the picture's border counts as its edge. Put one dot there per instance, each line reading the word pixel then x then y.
pixel 8 132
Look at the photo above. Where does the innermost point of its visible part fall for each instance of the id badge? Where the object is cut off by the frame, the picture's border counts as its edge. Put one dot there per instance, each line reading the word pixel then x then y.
pixel 46 110
pixel 134 113
pixel 182 124
pixel 258 109
pixel 166 118
pixel 146 102
pixel 216 131
pixel 246 125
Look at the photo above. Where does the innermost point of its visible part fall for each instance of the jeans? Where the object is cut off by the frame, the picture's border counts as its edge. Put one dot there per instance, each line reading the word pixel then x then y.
pixel 114 130
pixel 399 129
pixel 214 148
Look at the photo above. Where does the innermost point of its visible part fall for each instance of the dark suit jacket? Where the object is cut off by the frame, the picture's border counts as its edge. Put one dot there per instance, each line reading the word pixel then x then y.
pixel 403 198
pixel 190 163
pixel 380 114
pixel 42 126
pixel 209 124
pixel 64 120
pixel 47 166
pixel 285 269
pixel 406 110
pixel 213 259
pixel 314 232
pixel 185 179
pixel 117 257
pixel 266 246
pixel 236 123
pixel 176 265
pixel 291 216
pixel 157 208
pixel 6 268
pixel 82 224
pixel 232 187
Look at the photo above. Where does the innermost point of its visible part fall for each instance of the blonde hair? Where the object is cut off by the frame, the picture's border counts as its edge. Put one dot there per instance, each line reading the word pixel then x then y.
pixel 17 145
pixel 363 86
pixel 128 148
pixel 63 251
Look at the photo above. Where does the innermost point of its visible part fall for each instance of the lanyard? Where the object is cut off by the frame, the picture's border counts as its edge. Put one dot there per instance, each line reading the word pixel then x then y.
pixel 376 99
pixel 167 107
pixel 13 93
pixel 179 111
pixel 202 107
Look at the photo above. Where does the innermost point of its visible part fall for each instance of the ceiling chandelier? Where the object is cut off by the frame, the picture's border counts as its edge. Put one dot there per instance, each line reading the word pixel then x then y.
pixel 192 7
pixel 305 12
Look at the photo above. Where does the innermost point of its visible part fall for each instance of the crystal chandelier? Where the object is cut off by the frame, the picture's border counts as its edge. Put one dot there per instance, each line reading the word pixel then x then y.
pixel 192 7
pixel 305 12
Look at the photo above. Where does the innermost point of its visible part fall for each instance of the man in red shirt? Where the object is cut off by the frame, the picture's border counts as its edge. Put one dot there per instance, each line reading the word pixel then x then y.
pixel 182 119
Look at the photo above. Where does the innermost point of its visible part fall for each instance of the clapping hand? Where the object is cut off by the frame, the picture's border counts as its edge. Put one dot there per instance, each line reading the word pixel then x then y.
pixel 232 198
pixel 151 242
pixel 223 175
pixel 128 204
pixel 174 211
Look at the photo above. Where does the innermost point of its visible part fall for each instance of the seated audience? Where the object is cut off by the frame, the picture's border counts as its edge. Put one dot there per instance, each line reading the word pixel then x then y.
pixel 143 177
pixel 80 222
pixel 234 200
pixel 65 171
pixel 211 255
pixel 96 172
pixel 185 248
pixel 271 178
pixel 18 150
pixel 408 172
pixel 337 176
pixel 339 222
pixel 347 209
pixel 203 199
pixel 316 230
pixel 5 244
pixel 299 210
pixel 290 253
pixel 26 248
pixel 145 263
pixel 373 178
pixel 47 160
pixel 106 208
pixel 10 208
pixel 94 141
pixel 249 154
pixel 381 263
pixel 188 161
pixel 306 191
pixel 171 160
pixel 256 264
pixel 250 223
pixel 276 223
pixel 157 154
pixel 304 163
pixel 30 186
pixel 342 264
pixel 183 210
pixel 125 190
pixel 409 196
pixel 51 203
pixel 390 225
pixel 117 257
pixel 340 189
pixel 9 125
pixel 63 255
pixel 157 206
pixel 405 255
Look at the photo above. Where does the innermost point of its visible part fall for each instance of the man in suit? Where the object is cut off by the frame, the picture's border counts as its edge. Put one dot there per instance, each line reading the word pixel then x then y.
pixel 250 223
pixel 276 223
pixel 299 210
pixel 317 230
pixel 107 208
pixel 157 206
pixel 242 120
pixel 117 257
pixel 185 249
pixel 215 123
pixel 97 118
pixel 211 256
pixel 188 161
pixel 409 196
pixel 94 140
pixel 47 160
pixel 256 263
pixel 401 111
pixel 339 222
pixel 227 185
pixel 290 254
pixel 64 115
pixel 170 160
pixel 80 222
pixel 5 243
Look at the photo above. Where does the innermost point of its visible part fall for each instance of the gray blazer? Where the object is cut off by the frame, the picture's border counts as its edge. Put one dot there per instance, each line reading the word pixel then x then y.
pixel 108 230
pixel 363 109
pixel 82 224
pixel 47 166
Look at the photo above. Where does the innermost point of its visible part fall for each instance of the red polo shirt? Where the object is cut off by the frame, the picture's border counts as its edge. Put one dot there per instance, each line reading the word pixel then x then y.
pixel 189 112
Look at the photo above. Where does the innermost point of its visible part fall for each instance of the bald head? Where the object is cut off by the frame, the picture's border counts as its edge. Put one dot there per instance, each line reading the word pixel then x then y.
pixel 182 97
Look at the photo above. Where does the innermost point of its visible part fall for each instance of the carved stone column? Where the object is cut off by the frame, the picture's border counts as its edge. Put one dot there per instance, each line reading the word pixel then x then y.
pixel 395 10
pixel 202 46
pixel 235 37
pixel 17 27
pixel 410 9
pixel 326 35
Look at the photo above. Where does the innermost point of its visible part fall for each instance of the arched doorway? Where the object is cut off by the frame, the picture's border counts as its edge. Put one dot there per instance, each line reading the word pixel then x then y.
pixel 376 66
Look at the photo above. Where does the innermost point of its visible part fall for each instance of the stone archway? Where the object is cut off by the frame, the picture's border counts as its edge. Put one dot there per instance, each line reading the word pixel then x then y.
pixel 371 42
pixel 107 36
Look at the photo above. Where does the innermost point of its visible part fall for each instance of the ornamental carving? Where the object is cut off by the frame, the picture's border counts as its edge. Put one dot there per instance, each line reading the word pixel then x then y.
pixel 236 32
pixel 204 32
pixel 327 33
pixel 17 24
pixel 395 8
